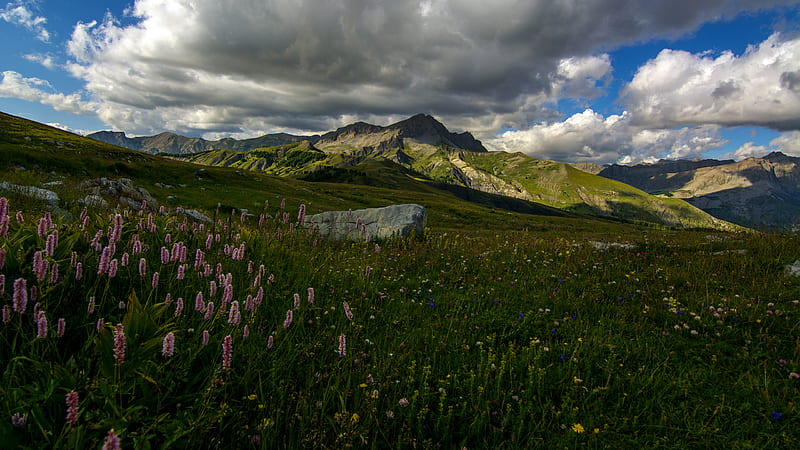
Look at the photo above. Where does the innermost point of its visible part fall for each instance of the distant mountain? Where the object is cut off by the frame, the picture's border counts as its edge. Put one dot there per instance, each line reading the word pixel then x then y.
pixel 421 148
pixel 761 193
pixel 176 144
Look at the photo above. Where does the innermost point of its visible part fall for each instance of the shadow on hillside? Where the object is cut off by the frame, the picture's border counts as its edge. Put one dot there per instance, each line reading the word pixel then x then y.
pixel 775 211
pixel 500 201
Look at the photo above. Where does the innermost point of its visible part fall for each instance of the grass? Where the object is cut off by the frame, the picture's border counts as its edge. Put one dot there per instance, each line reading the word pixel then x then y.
pixel 496 330
pixel 466 338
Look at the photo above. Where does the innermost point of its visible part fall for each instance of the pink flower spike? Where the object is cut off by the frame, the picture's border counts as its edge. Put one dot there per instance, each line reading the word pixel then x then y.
pixel 209 311
pixel 310 295
pixel 41 325
pixel 234 317
pixel 178 306
pixel 154 282
pixel 112 441
pixel 342 345
pixel 20 298
pixel 270 341
pixel 168 346
pixel 61 327
pixel 227 352
pixel 288 321
pixel 72 407
pixel 119 344
pixel 142 267
pixel 206 337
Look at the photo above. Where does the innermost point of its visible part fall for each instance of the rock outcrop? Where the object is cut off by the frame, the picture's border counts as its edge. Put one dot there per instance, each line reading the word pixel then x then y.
pixel 370 224
pixel 118 189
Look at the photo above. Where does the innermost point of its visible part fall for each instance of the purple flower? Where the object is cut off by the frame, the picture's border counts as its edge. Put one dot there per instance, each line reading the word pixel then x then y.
pixel 776 415
pixel 112 441
pixel 181 272
pixel 61 327
pixel 288 320
pixel 270 341
pixel 199 304
pixel 209 311
pixel 90 307
pixel 347 311
pixel 112 268
pixel 342 345
pixel 41 325
pixel 246 331
pixel 296 301
pixel 119 343
pixel 143 268
pixel 227 352
pixel 154 282
pixel 6 314
pixel 78 271
pixel 310 295
pixel 19 420
pixel 206 337
pixel 178 307
pixel 72 407
pixel 168 345
pixel 234 317
pixel 100 324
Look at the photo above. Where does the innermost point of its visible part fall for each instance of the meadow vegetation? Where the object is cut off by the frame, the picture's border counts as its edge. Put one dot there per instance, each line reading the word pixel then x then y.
pixel 493 330
pixel 250 332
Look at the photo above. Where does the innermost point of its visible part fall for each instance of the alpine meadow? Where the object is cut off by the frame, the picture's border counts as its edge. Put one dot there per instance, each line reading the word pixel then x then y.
pixel 192 306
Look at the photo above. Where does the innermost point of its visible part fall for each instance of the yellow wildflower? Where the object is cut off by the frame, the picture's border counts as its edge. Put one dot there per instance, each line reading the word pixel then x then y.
pixel 578 428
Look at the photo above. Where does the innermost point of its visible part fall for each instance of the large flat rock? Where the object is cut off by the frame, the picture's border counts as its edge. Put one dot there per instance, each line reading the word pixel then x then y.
pixel 373 223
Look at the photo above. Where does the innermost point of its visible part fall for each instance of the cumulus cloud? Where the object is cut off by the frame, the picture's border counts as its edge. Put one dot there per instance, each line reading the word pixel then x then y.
pixel 309 65
pixel 19 13
pixel 588 136
pixel 37 90
pixel 787 143
pixel 45 59
pixel 760 87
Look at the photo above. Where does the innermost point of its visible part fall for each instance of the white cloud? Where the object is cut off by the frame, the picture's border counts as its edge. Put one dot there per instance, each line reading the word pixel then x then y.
pixel 760 87
pixel 36 90
pixel 304 64
pixel 588 136
pixel 46 60
pixel 19 13
pixel 788 143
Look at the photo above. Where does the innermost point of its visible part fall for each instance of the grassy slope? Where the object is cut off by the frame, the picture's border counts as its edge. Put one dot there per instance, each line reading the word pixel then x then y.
pixel 48 154
pixel 560 185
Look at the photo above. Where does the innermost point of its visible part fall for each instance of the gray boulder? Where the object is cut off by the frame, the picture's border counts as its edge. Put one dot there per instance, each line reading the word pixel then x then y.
pixel 121 190
pixel 50 197
pixel 793 270
pixel 373 223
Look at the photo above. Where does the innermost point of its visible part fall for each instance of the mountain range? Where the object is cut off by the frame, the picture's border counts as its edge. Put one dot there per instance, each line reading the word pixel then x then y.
pixel 421 149
pixel 761 193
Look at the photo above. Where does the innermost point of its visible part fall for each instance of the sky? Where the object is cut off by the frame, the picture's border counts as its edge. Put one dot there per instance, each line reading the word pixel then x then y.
pixel 603 81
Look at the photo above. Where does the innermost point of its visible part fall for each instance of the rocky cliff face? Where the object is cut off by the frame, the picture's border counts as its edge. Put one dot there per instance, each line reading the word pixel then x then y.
pixel 762 193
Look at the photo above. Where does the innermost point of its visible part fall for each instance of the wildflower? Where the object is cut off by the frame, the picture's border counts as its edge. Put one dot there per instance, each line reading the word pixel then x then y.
pixel 342 345
pixel 164 255
pixel 296 301
pixel 72 407
pixel 578 428
pixel 154 282
pixel 119 343
pixel 270 341
pixel 403 402
pixel 367 271
pixel 6 314
pixel 178 307
pixel 112 268
pixel 288 320
pixel 347 311
pixel 90 308
pixel 246 331
pixel 19 420
pixel 112 441
pixel 227 351
pixel 41 325
pixel 142 267
pixel 310 295
pixel 209 311
pixel 199 304
pixel 792 375
pixel 234 317
pixel 39 266
pixel 206 337
pixel 181 272
pixel 390 414
pixel 776 416
pixel 248 303
pixel 100 324
pixel 168 346
pixel 2 257
pixel 61 327
pixel 78 271
pixel 52 242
